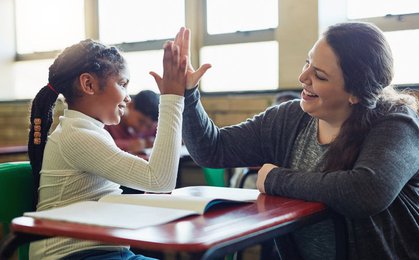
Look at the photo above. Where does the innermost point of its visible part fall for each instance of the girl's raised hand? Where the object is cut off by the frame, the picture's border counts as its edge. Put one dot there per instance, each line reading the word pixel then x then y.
pixel 174 71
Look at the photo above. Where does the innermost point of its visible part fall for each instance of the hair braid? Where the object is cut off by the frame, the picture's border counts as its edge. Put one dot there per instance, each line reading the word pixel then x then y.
pixel 42 109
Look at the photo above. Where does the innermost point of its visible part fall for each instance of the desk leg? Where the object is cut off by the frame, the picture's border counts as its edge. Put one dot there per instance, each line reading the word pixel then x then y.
pixel 340 236
pixel 13 240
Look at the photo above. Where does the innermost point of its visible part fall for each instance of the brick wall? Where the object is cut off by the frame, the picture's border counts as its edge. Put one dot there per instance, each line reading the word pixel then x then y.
pixel 224 110
pixel 14 125
pixel 227 110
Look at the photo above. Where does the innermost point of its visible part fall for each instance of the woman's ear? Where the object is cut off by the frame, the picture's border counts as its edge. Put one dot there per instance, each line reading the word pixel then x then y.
pixel 353 100
pixel 88 83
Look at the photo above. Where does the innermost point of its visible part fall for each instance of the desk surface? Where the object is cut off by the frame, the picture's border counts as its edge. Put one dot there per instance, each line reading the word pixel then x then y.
pixel 17 149
pixel 221 230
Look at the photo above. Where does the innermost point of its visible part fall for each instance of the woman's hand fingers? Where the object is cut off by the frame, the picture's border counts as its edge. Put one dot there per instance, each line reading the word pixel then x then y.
pixel 262 174
pixel 193 78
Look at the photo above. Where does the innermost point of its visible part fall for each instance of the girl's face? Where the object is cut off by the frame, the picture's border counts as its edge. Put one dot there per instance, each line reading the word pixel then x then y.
pixel 113 99
pixel 323 94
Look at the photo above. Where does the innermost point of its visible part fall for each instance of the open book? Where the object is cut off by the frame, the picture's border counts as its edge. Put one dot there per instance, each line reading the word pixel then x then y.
pixel 142 210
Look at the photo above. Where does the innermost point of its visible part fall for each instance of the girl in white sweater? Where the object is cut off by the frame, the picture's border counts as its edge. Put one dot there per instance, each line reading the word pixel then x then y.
pixel 79 161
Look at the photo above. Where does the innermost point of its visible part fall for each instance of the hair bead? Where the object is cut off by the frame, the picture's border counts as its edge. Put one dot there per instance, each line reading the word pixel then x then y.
pixel 37 131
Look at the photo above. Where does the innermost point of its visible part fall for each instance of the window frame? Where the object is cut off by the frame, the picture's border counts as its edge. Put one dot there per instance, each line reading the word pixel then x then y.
pixel 195 18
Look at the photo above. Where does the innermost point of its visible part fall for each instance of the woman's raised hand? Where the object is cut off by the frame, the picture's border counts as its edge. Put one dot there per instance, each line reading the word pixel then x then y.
pixel 174 71
pixel 182 40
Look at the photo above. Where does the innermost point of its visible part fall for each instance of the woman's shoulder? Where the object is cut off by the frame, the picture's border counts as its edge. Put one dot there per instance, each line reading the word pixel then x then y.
pixel 287 114
pixel 396 113
pixel 287 109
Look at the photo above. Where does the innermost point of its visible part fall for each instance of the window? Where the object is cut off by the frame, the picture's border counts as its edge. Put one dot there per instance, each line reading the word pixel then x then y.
pixel 35 77
pixel 40 29
pixel 241 67
pixel 376 8
pixel 239 39
pixel 140 29
pixel 136 21
pixel 405 48
pixel 140 64
pixel 400 22
pixel 250 48
pixel 240 15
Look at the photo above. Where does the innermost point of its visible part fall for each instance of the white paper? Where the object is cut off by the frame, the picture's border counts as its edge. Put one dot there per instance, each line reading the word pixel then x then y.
pixel 141 210
pixel 111 214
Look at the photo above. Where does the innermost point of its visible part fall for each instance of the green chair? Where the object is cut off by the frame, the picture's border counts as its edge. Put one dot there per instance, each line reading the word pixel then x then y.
pixel 16 196
pixel 214 177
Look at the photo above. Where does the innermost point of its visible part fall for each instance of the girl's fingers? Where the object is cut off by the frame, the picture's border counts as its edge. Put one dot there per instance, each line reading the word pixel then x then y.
pixel 157 78
pixel 175 57
pixel 167 57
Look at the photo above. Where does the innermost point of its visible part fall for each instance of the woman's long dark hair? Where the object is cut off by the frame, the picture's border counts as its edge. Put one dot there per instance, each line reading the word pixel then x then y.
pixel 86 56
pixel 367 65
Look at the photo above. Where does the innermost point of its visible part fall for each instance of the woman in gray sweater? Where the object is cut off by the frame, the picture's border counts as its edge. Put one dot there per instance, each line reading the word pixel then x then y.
pixel 351 142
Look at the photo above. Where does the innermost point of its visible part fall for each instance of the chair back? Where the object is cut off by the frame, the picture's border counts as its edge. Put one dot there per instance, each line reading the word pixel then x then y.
pixel 16 195
pixel 214 176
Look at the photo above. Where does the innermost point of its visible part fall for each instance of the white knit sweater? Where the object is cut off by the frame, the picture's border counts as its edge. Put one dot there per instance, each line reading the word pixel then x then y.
pixel 81 162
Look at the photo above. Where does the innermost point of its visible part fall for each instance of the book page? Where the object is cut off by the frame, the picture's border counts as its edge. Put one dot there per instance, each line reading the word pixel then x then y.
pixel 195 204
pixel 111 214
pixel 141 210
pixel 226 193
pixel 195 198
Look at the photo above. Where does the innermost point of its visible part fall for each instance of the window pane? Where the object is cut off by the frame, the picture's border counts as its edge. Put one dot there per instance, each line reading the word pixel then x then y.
pixel 140 64
pixel 46 25
pixel 36 77
pixel 134 20
pixel 241 67
pixel 405 48
pixel 377 8
pixel 241 15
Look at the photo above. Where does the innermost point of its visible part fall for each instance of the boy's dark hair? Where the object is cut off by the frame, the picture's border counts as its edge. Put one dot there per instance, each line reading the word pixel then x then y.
pixel 147 102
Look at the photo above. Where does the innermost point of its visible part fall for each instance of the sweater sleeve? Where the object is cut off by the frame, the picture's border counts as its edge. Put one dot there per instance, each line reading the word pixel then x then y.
pixel 387 161
pixel 210 146
pixel 88 150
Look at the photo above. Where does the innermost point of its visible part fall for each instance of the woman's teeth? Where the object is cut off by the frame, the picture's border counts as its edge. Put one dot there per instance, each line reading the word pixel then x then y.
pixel 309 94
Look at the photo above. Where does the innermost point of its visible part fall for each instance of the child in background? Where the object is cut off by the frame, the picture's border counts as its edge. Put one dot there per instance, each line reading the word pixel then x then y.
pixel 80 161
pixel 138 126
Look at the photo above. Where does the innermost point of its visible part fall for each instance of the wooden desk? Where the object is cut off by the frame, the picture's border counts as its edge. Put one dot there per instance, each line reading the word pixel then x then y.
pixel 215 234
pixel 17 149
pixel 13 153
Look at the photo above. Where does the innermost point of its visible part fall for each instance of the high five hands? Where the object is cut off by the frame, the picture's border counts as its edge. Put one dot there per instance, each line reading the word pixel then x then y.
pixel 177 68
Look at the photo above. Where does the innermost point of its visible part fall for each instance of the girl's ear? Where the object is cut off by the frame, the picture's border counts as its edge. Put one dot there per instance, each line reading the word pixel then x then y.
pixel 88 83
